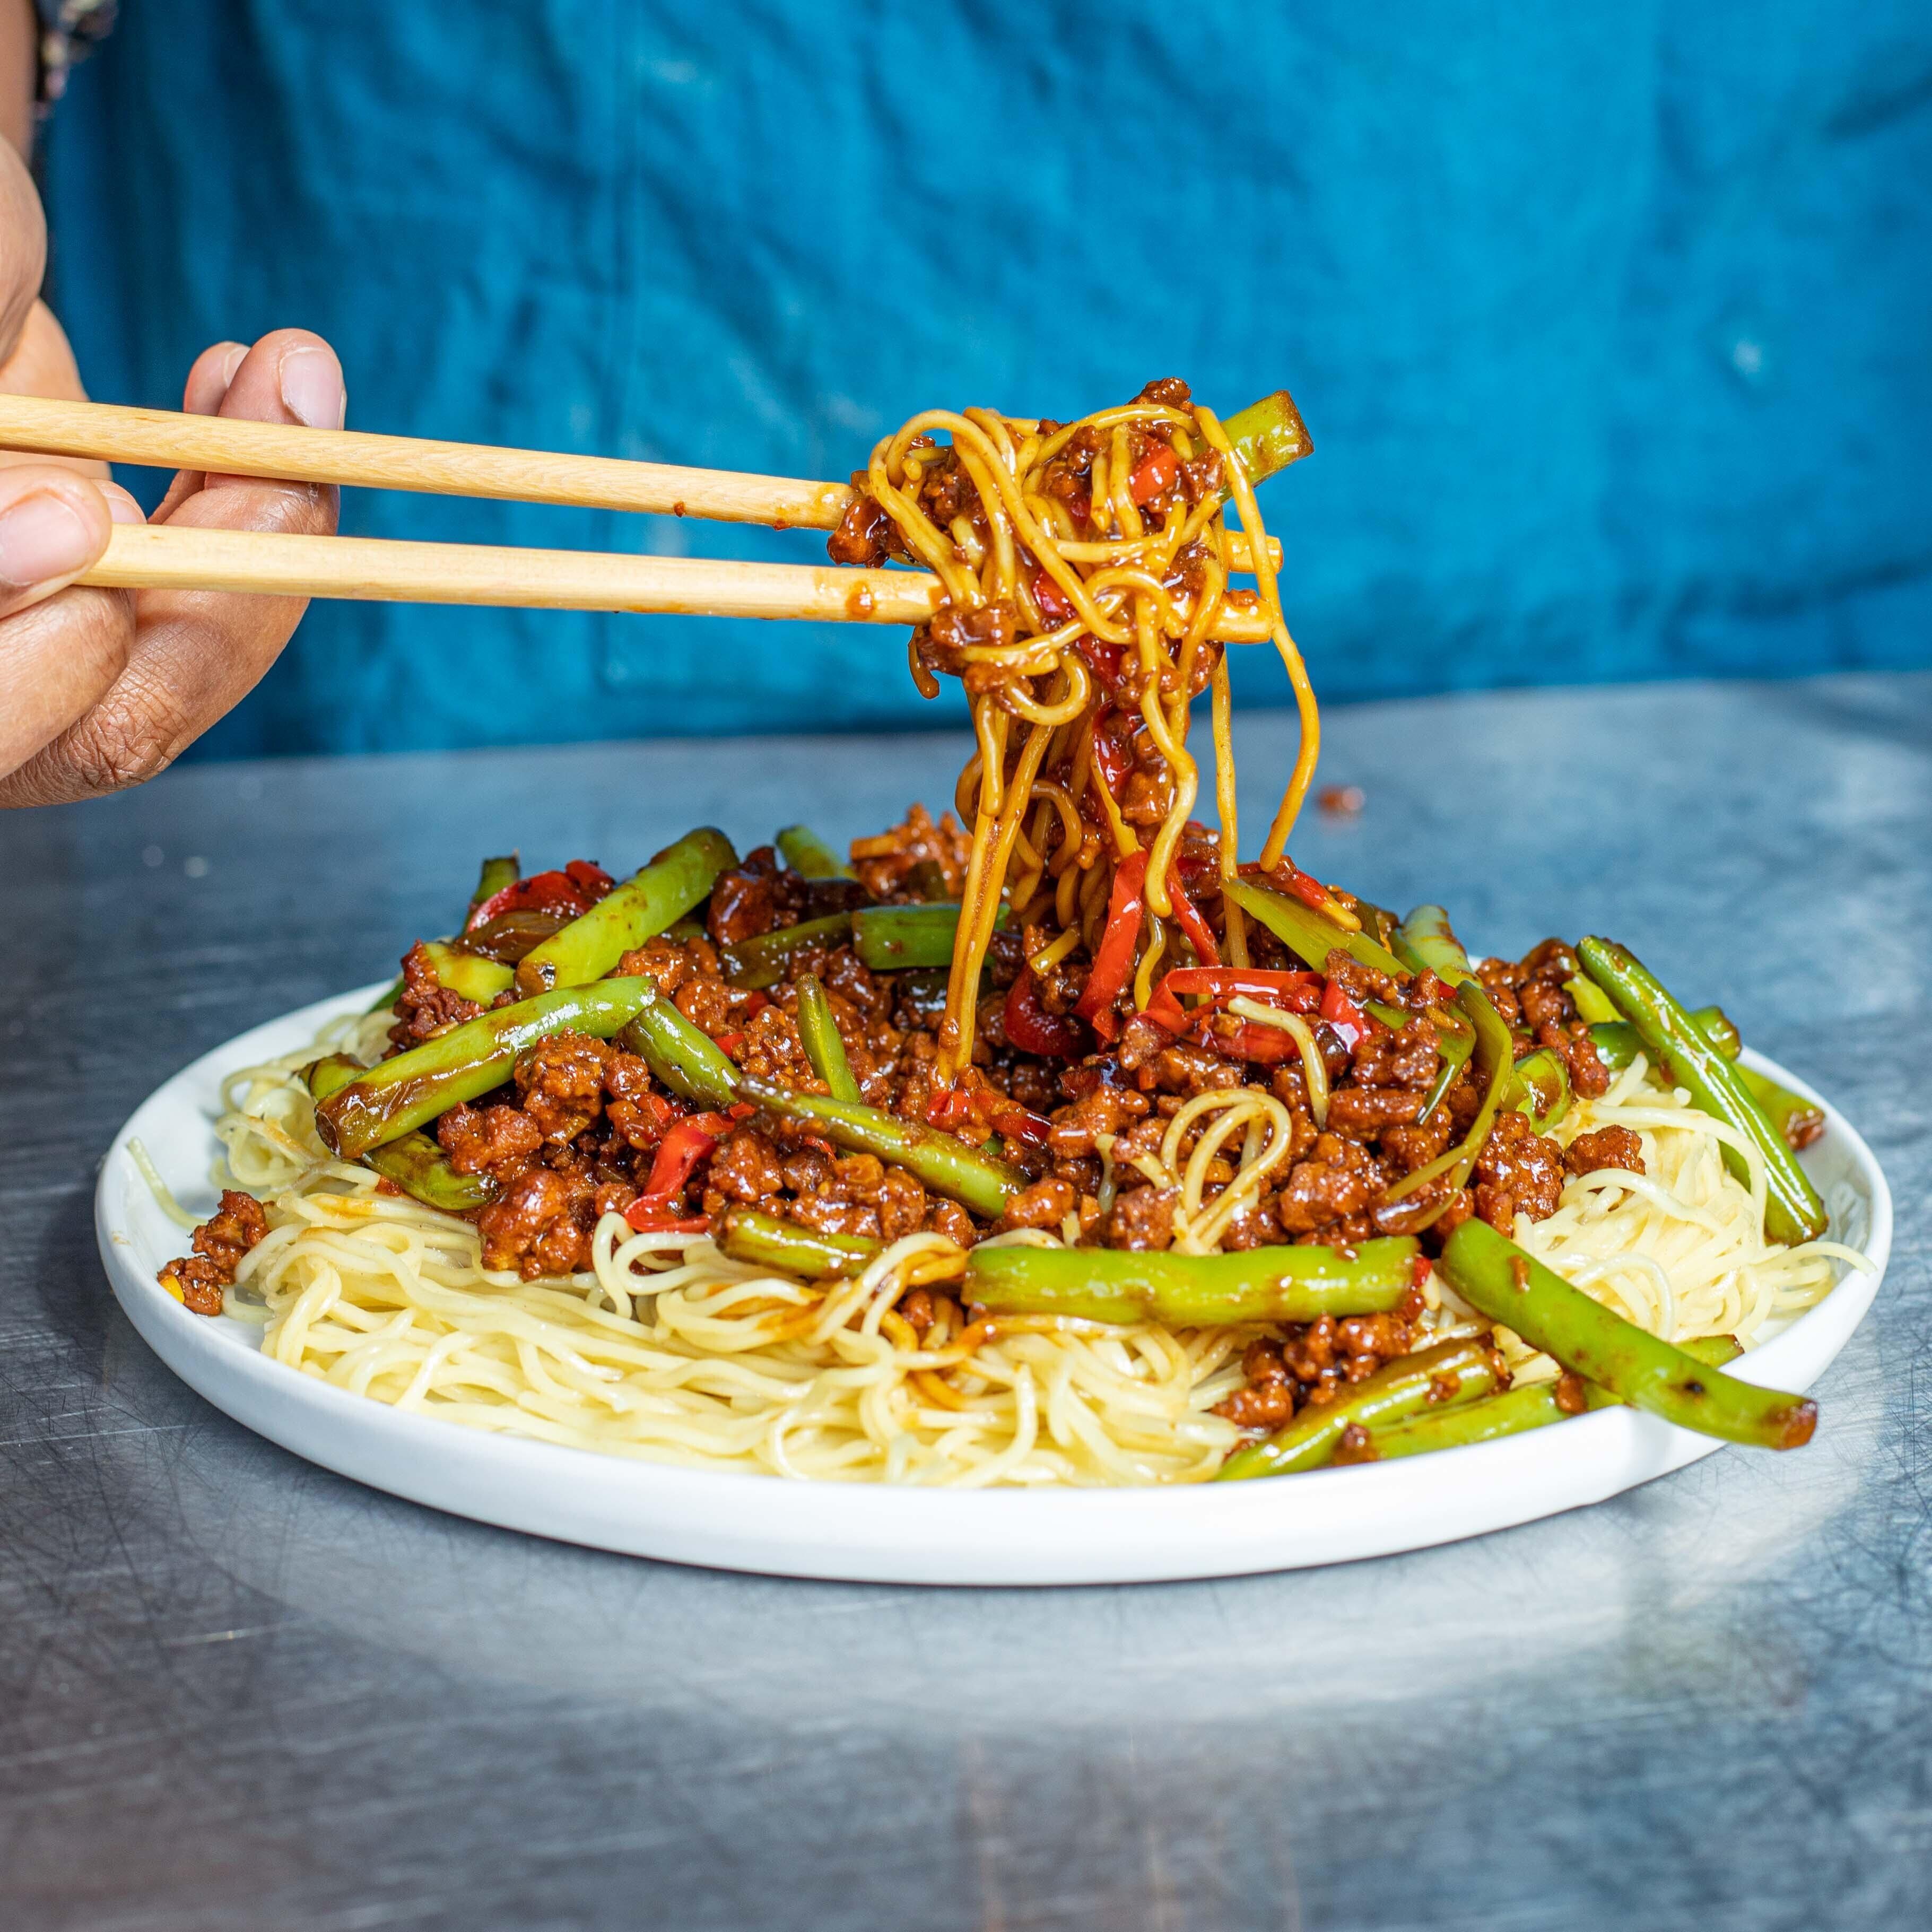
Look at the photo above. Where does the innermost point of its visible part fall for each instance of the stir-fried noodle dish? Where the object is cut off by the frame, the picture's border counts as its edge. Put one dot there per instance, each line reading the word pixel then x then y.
pixel 1051 1140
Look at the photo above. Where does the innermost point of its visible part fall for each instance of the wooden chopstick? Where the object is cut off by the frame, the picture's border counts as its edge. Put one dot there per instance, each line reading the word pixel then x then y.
pixel 179 557
pixel 111 433
pixel 164 557
pixel 163 439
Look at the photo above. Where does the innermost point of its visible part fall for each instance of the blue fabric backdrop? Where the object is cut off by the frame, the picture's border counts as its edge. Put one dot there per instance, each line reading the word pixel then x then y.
pixel 1610 321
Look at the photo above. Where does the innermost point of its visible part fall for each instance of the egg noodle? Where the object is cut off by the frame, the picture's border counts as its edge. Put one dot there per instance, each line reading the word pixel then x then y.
pixel 669 1350
pixel 1061 623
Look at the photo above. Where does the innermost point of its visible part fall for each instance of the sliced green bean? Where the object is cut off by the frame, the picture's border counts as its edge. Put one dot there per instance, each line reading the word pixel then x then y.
pixel 892 938
pixel 468 973
pixel 1617 1043
pixel 1457 1371
pixel 1268 436
pixel 1533 1406
pixel 809 855
pixel 1799 1120
pixel 767 1241
pixel 1426 942
pixel 650 900
pixel 1268 1284
pixel 819 1031
pixel 946 1165
pixel 756 963
pixel 413 1162
pixel 1792 1211
pixel 683 1057
pixel 495 874
pixel 1539 1085
pixel 385 1102
pixel 1500 1281
pixel 1593 1007
pixel 1307 933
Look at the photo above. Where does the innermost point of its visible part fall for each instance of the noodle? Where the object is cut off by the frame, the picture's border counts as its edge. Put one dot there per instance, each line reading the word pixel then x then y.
pixel 1082 637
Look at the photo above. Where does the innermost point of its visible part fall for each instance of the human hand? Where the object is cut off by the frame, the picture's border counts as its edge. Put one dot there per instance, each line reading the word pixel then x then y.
pixel 107 687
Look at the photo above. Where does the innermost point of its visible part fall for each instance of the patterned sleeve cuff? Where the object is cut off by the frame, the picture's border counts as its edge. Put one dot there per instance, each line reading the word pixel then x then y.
pixel 68 28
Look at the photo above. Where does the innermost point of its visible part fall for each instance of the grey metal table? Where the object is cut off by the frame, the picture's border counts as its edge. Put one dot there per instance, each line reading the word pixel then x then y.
pixel 237 1692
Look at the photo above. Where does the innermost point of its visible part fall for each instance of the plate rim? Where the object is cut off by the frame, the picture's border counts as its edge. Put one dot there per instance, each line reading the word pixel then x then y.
pixel 747 1520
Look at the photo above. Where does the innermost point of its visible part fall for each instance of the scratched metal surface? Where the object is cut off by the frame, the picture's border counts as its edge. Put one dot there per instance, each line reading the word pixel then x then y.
pixel 236 1692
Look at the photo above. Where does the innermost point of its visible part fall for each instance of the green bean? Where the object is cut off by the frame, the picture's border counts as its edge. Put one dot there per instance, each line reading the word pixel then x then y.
pixel 1792 1211
pixel 384 1000
pixel 1493 1052
pixel 1539 1085
pixel 1268 436
pixel 495 875
pixel 1501 1282
pixel 1450 1372
pixel 1617 1043
pixel 948 1166
pixel 1798 1121
pixel 1268 1284
pixel 767 1241
pixel 809 855
pixel 890 938
pixel 414 1163
pixel 468 974
pixel 1593 1007
pixel 681 1056
pixel 756 963
pixel 819 1031
pixel 1309 935
pixel 1534 1405
pixel 639 909
pixel 1426 942
pixel 396 1095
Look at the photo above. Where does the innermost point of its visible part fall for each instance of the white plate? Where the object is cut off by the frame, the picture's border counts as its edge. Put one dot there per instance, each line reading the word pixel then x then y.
pixel 862 1532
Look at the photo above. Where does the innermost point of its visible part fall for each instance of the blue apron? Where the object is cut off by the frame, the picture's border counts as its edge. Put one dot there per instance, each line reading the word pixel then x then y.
pixel 1608 322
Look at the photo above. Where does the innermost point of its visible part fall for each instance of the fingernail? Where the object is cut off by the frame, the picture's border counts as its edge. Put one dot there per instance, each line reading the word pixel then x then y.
pixel 121 506
pixel 42 536
pixel 312 389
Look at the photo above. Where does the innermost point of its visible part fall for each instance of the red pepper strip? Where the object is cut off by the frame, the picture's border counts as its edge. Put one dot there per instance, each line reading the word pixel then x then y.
pixel 591 880
pixel 1270 1045
pixel 728 1043
pixel 678 1153
pixel 1050 598
pixel 1022 1123
pixel 541 892
pixel 1159 469
pixel 1200 934
pixel 1289 877
pixel 1111 754
pixel 646 1219
pixel 1294 992
pixel 1419 1268
pixel 1341 1013
pixel 1032 1028
pixel 1104 661
pixel 949 1110
pixel 1114 963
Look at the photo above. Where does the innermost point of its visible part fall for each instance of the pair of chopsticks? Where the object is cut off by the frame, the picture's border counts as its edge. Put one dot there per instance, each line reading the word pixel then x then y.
pixel 141 557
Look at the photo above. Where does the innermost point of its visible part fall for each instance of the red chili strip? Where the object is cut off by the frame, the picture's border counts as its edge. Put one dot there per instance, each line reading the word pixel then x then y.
pixel 1294 992
pixel 1032 1028
pixel 1200 934
pixel 1114 962
pixel 541 892
pixel 1113 751
pixel 1348 1019
pixel 1160 470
